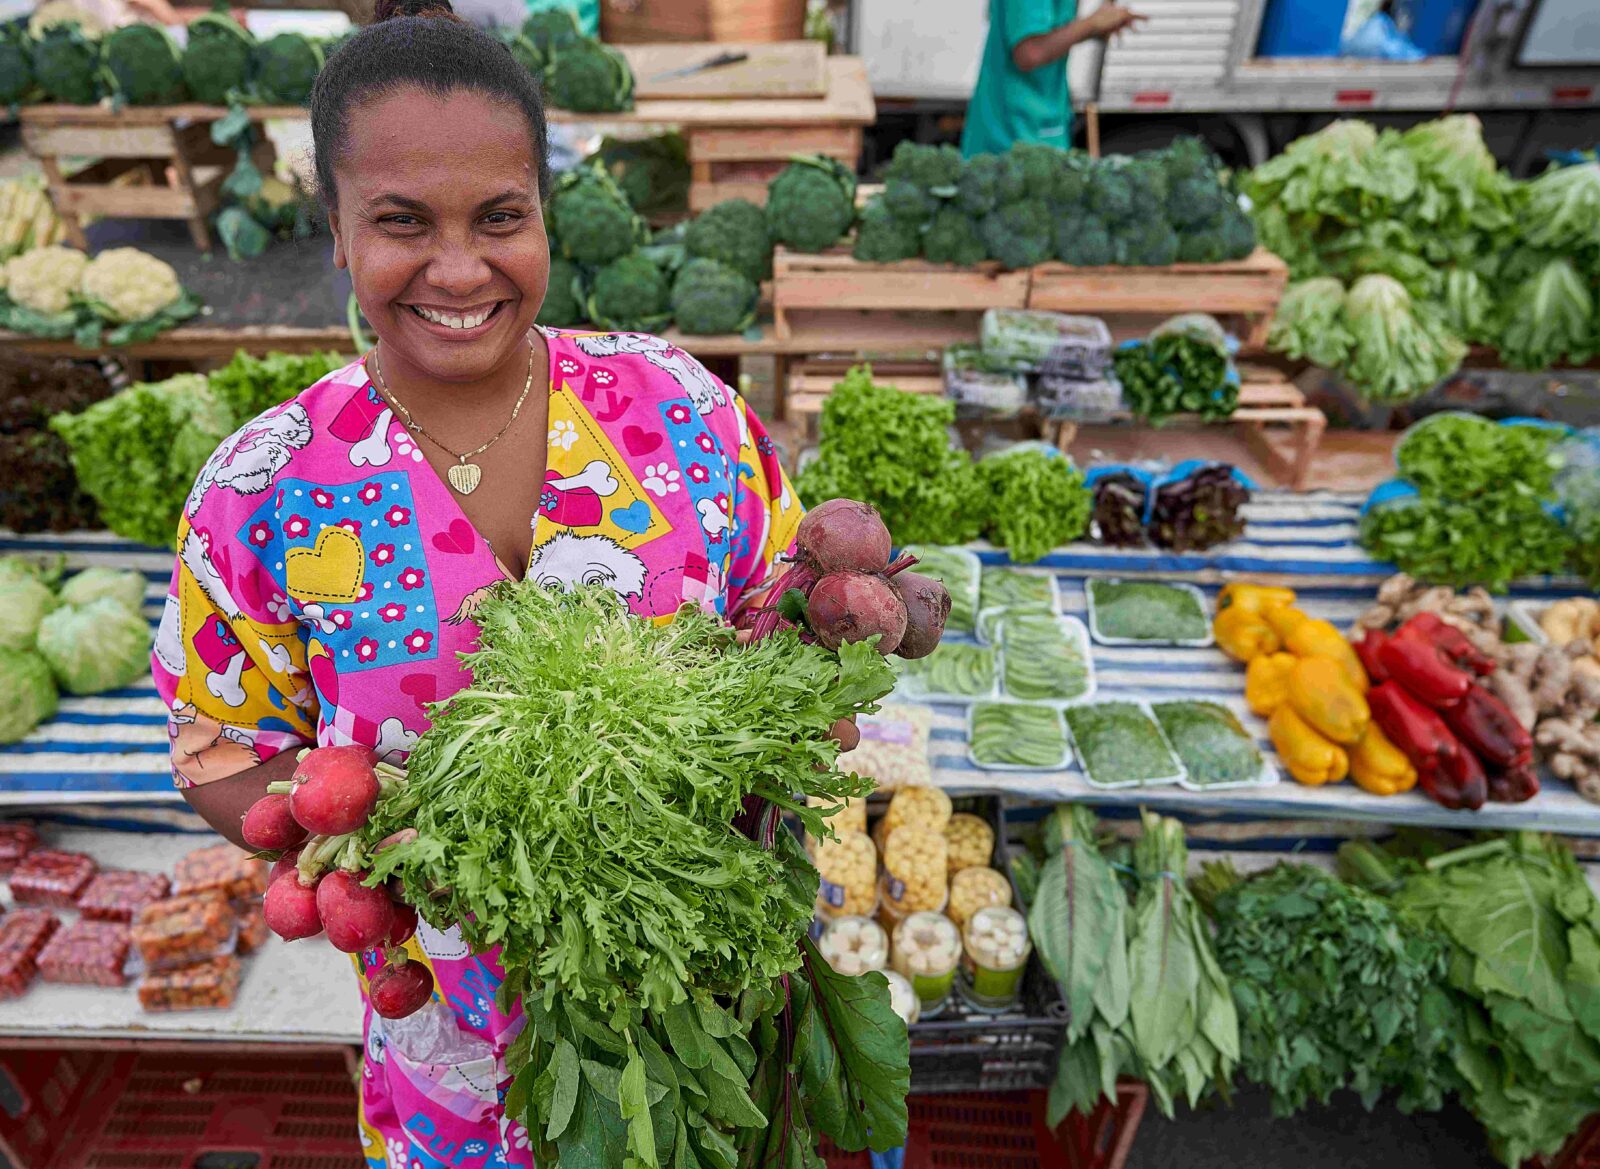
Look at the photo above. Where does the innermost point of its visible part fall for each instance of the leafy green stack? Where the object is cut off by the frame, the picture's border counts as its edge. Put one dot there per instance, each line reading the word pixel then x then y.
pixel 1182 367
pixel 1407 246
pixel 1036 500
pixel 673 1019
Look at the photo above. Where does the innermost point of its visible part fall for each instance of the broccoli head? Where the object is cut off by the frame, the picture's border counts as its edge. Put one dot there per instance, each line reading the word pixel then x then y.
pixel 66 65
pixel 216 59
pixel 709 298
pixel 952 238
pixel 1189 158
pixel 523 51
pixel 1018 234
pixel 1110 194
pixel 630 295
pixel 883 237
pixel 1196 200
pixel 1082 239
pixel 1072 178
pixel 590 77
pixel 1148 183
pixel 145 64
pixel 987 181
pixel 1238 234
pixel 932 168
pixel 1201 244
pixel 733 232
pixel 592 220
pixel 1034 165
pixel 16 66
pixel 564 296
pixel 286 67
pixel 811 203
pixel 1147 243
pixel 652 172
pixel 908 202
pixel 550 28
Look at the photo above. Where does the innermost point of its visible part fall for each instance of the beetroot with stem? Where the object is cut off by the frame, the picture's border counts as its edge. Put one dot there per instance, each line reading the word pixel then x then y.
pixel 400 988
pixel 270 825
pixel 853 606
pixel 842 535
pixel 290 908
pixel 927 605
pixel 356 916
pixel 335 789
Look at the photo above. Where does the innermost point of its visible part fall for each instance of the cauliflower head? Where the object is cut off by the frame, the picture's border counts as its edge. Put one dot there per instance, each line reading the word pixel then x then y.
pixel 125 284
pixel 45 279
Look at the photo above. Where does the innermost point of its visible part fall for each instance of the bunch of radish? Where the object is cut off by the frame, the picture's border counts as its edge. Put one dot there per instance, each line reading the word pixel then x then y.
pixel 842 586
pixel 317 884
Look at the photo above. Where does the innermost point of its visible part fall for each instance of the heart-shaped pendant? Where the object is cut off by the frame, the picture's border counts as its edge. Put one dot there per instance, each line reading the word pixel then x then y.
pixel 465 477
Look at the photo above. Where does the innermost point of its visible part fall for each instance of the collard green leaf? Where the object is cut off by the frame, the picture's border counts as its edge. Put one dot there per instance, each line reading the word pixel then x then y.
pixel 1164 975
pixel 564 1099
pixel 1503 914
pixel 1075 921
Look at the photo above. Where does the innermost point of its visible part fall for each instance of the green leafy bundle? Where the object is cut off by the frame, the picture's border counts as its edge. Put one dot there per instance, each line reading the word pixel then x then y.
pixel 1182 367
pixel 1464 542
pixel 1037 501
pixel 248 386
pixel 675 1017
pixel 894 450
pixel 1333 990
pixel 1523 929
pixel 1464 456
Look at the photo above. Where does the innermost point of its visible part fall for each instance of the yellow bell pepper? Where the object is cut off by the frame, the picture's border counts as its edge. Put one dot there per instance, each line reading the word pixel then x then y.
pixel 1266 682
pixel 1244 635
pixel 1253 598
pixel 1322 695
pixel 1310 758
pixel 1305 637
pixel 1379 767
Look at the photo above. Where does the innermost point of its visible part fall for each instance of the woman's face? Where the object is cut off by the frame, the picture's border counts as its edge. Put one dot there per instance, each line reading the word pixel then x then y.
pixel 439 223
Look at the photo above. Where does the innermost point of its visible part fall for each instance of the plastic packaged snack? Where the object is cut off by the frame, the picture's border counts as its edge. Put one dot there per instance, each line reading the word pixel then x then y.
pixel 981 387
pixel 47 876
pixel 915 869
pixel 87 953
pixel 848 868
pixel 1045 658
pixel 17 840
pixel 956 671
pixel 213 983
pixel 959 570
pixel 1017 736
pixel 252 931
pixel 975 889
pixel 119 894
pixel 917 806
pixel 971 841
pixel 183 930
pixel 1215 748
pixel 222 867
pixel 902 998
pixel 894 746
pixel 854 945
pixel 23 934
pixel 1037 341
pixel 995 949
pixel 1121 745
pixel 1147 612
pixel 926 950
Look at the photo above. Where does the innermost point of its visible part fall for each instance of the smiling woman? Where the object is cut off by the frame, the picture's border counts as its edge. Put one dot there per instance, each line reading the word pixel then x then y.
pixel 334 550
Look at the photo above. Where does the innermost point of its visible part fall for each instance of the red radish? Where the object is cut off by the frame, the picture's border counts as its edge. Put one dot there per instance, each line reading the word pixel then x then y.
pixel 282 865
pixel 334 789
pixel 927 605
pixel 405 924
pixel 290 908
pixel 842 535
pixel 270 825
pixel 356 917
pixel 400 989
pixel 853 606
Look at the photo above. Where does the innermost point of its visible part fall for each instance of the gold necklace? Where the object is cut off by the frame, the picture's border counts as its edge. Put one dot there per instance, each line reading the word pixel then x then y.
pixel 464 476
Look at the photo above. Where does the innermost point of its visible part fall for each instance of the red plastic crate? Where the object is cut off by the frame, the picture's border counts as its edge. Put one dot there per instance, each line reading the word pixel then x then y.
pixel 1007 1130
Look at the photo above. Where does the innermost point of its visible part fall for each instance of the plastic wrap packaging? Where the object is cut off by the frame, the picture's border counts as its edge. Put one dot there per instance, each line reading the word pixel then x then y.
pixel 1197 506
pixel 971 841
pixel 955 672
pixel 851 814
pixel 87 953
pixel 252 931
pixel 119 894
pixel 224 868
pixel 1035 341
pixel 902 998
pixel 52 878
pixel 981 387
pixel 23 934
pixel 894 746
pixel 848 868
pixel 184 930
pixel 17 840
pixel 209 985
pixel 915 806
pixel 975 889
pixel 915 869
pixel 925 951
pixel 995 950
pixel 1068 399
pixel 1121 499
pixel 854 945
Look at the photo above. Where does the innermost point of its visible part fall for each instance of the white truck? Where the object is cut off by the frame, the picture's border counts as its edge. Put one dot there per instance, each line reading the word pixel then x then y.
pixel 1529 68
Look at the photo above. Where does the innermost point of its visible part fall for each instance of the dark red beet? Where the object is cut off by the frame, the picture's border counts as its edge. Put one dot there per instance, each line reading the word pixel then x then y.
pixel 290 908
pixel 270 825
pixel 853 606
pixel 403 926
pixel 400 989
pixel 356 917
pixel 282 865
pixel 335 789
pixel 842 535
pixel 927 605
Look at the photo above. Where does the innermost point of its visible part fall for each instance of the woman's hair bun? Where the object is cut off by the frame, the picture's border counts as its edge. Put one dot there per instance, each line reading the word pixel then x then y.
pixel 389 9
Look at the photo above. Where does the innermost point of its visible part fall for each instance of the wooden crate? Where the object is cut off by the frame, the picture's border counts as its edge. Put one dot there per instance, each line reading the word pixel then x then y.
pixel 737 162
pixel 810 382
pixel 1246 290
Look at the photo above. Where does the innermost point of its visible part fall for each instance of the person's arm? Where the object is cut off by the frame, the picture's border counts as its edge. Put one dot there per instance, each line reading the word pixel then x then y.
pixel 222 804
pixel 1035 52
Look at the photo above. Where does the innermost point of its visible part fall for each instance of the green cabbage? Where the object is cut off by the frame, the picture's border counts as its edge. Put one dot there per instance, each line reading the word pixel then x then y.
pixel 95 647
pixel 23 605
pixel 126 587
pixel 30 693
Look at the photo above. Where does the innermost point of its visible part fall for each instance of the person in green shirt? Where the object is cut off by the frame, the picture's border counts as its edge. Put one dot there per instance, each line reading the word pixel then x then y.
pixel 1021 94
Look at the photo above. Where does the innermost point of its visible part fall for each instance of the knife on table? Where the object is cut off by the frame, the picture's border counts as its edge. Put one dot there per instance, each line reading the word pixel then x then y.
pixel 716 62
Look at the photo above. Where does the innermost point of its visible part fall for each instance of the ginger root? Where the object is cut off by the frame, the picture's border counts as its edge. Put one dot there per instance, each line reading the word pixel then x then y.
pixel 1572 751
pixel 1572 619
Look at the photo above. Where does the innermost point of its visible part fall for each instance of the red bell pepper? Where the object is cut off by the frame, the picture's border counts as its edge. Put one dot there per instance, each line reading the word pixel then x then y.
pixel 1449 773
pixel 1513 785
pixel 1418 666
pixel 1367 650
pixel 1449 641
pixel 1485 724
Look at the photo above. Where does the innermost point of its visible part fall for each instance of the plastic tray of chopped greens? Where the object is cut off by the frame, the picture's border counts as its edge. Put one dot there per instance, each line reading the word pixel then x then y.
pixel 1078 399
pixel 1003 735
pixel 1005 591
pixel 1147 612
pixel 1035 341
pixel 980 386
pixel 1214 747
pixel 1045 658
pixel 956 671
pixel 960 571
pixel 1121 745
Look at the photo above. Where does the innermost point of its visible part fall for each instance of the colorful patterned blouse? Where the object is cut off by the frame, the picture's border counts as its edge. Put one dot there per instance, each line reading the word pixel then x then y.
pixel 325 584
